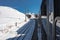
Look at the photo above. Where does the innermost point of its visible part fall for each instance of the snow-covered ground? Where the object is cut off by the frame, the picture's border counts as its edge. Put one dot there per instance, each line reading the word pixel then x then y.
pixel 10 21
pixel 11 32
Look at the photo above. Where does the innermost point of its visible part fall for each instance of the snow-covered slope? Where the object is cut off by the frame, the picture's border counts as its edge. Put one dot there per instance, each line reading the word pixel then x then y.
pixel 9 20
pixel 9 14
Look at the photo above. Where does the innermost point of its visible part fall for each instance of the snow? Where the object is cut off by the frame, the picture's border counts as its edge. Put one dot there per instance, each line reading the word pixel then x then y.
pixel 10 14
pixel 27 32
pixel 12 32
pixel 10 21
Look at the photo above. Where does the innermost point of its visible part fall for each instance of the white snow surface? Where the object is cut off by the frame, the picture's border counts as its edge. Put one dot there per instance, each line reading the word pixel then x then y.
pixel 9 14
pixel 9 17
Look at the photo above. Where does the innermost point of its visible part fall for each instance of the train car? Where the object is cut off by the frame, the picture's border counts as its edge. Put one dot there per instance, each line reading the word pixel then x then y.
pixel 47 16
pixel 57 18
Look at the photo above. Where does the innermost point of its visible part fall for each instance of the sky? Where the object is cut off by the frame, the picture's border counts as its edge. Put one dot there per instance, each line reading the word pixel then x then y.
pixel 32 6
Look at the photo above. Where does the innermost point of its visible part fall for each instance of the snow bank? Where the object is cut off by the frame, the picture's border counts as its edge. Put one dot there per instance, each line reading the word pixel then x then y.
pixel 9 14
pixel 9 20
